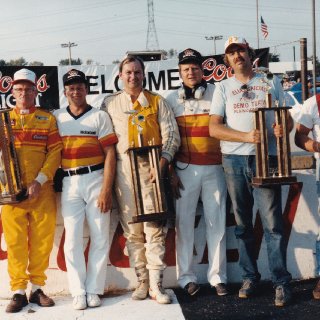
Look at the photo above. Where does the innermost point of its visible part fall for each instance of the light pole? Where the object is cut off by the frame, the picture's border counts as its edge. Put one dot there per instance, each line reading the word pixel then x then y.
pixel 69 45
pixel 214 38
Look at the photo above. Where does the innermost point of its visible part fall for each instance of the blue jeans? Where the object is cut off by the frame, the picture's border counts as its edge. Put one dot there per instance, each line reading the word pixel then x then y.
pixel 239 171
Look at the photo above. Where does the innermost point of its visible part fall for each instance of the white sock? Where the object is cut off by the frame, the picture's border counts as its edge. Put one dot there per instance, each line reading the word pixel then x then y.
pixel 20 291
pixel 34 287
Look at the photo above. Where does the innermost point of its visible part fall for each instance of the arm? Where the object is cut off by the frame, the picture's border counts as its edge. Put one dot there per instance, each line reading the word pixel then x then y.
pixel 51 163
pixel 104 201
pixel 303 141
pixel 219 131
pixel 169 130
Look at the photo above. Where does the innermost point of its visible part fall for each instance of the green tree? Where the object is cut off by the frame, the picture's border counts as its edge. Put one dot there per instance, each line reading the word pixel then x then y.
pixel 35 63
pixel 171 53
pixel 2 63
pixel 17 62
pixel 65 62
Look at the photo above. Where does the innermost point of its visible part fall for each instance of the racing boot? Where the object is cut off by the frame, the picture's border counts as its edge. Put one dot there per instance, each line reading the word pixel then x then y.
pixel 141 292
pixel 156 291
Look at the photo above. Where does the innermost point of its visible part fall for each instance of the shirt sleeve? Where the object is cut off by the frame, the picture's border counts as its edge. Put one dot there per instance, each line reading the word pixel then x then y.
pixel 169 130
pixel 53 156
pixel 308 113
pixel 218 105
pixel 106 135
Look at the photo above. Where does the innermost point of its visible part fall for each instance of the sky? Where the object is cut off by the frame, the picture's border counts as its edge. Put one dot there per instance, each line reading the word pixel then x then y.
pixel 104 30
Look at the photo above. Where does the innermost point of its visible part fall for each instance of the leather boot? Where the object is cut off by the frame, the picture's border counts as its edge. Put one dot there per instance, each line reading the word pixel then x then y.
pixel 156 290
pixel 141 292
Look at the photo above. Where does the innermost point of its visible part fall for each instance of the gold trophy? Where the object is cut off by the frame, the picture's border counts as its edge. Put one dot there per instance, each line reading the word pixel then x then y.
pixel 11 189
pixel 149 196
pixel 265 176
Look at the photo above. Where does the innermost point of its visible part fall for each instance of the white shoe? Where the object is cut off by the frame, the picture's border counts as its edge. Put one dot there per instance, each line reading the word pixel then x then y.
pixel 93 300
pixel 79 302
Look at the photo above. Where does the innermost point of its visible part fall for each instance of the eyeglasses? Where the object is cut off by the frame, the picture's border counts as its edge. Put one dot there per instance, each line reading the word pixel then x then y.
pixel 27 91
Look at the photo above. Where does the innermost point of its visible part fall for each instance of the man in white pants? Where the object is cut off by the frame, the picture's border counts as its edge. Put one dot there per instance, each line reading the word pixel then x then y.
pixel 198 175
pixel 88 161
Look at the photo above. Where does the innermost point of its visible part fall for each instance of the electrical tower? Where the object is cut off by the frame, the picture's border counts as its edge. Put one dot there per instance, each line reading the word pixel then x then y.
pixel 152 39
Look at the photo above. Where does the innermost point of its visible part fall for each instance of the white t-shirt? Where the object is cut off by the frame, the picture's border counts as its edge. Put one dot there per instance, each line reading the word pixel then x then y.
pixel 309 117
pixel 235 104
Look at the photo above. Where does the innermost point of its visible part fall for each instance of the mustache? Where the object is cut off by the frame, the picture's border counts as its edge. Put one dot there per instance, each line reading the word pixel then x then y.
pixel 239 59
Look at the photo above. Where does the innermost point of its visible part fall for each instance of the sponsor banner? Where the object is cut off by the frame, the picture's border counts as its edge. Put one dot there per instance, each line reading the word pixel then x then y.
pixel 161 76
pixel 47 86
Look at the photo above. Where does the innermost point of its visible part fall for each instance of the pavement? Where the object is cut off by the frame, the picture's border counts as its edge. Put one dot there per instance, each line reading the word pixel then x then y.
pixel 114 307
pixel 204 306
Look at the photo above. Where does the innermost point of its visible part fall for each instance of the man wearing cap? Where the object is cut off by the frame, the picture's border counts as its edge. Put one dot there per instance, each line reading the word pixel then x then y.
pixel 29 225
pixel 197 174
pixel 145 241
pixel 88 161
pixel 231 121
pixel 309 121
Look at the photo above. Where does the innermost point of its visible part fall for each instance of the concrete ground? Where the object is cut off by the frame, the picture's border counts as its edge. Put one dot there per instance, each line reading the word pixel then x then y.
pixel 114 307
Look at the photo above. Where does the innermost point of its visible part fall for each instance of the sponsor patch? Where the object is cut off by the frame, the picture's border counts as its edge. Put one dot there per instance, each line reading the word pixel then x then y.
pixel 88 132
pixel 41 117
pixel 39 137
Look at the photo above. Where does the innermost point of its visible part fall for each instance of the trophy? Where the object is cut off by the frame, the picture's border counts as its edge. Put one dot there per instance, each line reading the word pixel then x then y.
pixel 149 196
pixel 11 189
pixel 265 176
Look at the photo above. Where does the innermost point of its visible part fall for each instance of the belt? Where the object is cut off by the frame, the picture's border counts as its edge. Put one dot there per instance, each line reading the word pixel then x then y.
pixel 83 170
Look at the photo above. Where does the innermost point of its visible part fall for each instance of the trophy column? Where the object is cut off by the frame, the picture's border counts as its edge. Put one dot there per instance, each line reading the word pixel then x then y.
pixel 11 189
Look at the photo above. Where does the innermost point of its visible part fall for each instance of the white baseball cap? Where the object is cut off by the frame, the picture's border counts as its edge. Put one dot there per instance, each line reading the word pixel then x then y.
pixel 25 75
pixel 241 42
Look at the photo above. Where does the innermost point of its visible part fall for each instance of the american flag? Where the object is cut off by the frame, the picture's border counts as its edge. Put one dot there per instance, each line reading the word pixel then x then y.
pixel 264 29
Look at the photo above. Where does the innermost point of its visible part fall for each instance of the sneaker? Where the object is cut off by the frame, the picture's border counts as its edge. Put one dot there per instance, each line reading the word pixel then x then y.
pixel 192 288
pixel 40 299
pixel 141 292
pixel 283 296
pixel 93 300
pixel 221 289
pixel 316 291
pixel 247 289
pixel 79 302
pixel 18 301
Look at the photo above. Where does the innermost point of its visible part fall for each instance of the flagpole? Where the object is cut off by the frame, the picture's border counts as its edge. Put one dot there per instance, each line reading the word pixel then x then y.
pixel 314 46
pixel 257 5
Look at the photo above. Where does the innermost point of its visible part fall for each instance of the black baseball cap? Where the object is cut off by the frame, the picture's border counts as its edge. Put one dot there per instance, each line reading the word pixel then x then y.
pixel 189 56
pixel 74 76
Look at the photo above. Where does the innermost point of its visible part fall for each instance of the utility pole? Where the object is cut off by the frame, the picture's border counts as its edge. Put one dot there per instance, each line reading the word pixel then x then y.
pixel 214 38
pixel 69 45
pixel 152 39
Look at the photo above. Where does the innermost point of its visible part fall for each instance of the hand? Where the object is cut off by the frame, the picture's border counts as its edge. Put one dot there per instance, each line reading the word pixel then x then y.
pixel 34 189
pixel 253 136
pixel 278 130
pixel 104 201
pixel 176 185
pixel 152 175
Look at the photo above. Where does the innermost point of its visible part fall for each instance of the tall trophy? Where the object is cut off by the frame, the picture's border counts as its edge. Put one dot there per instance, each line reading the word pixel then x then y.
pixel 11 189
pixel 265 176
pixel 149 196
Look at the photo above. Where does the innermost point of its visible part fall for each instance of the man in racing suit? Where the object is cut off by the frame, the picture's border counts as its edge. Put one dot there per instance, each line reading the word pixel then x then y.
pixel 198 174
pixel 129 108
pixel 29 225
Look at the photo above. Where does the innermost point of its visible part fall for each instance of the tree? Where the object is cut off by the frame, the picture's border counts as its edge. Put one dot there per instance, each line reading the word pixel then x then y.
pixel 35 63
pixel 172 53
pixel 274 57
pixel 116 61
pixel 17 62
pixel 65 62
pixel 2 63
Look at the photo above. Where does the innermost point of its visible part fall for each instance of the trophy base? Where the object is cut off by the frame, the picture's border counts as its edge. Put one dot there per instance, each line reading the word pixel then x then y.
pixel 13 198
pixel 149 217
pixel 272 181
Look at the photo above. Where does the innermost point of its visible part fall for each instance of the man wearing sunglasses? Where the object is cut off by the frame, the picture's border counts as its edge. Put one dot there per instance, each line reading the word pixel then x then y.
pixel 232 122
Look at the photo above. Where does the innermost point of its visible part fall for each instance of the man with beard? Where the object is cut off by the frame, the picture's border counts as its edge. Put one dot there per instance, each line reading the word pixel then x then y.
pixel 232 122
